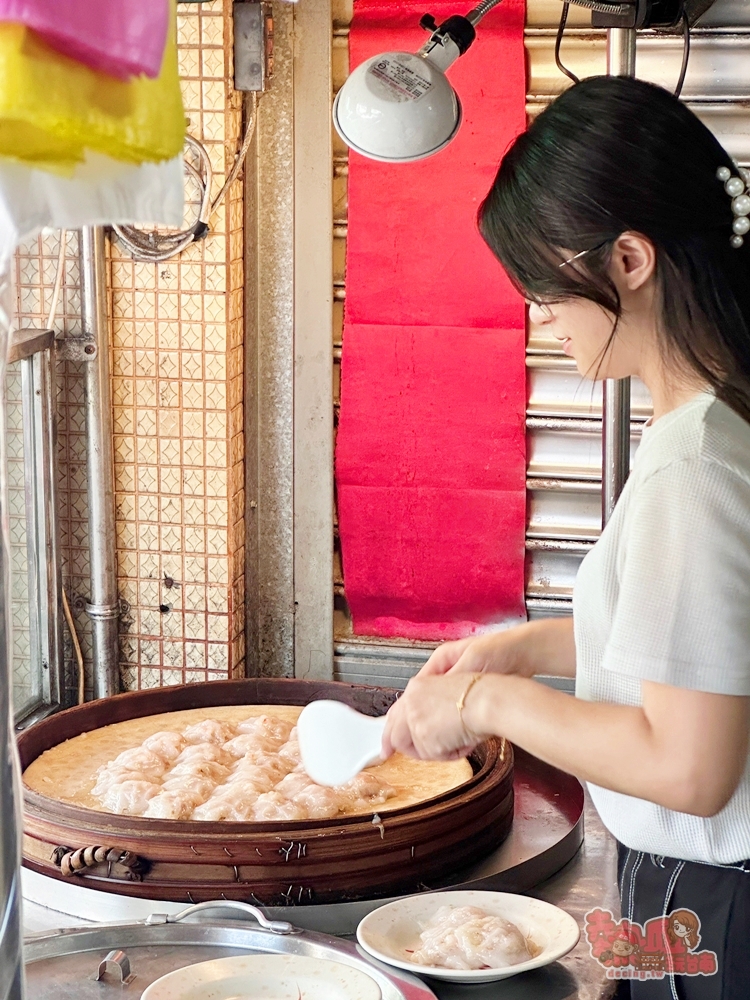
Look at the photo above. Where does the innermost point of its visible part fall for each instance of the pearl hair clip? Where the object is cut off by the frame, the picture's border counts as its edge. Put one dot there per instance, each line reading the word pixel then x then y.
pixel 737 188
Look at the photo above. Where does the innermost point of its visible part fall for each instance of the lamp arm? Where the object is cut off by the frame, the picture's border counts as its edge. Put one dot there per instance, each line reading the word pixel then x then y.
pixel 482 8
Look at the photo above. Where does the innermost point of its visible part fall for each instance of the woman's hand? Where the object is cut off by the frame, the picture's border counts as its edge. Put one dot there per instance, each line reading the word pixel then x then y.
pixel 426 723
pixel 542 647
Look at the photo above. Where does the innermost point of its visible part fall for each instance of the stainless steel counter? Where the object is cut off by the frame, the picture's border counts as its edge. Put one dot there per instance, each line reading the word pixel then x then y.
pixel 588 881
pixel 585 882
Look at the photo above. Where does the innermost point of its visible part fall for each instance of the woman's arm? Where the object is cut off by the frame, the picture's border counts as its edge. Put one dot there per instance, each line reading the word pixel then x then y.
pixel 685 750
pixel 542 647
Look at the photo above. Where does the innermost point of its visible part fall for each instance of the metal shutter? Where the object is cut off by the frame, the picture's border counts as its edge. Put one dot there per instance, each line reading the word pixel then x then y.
pixel 564 412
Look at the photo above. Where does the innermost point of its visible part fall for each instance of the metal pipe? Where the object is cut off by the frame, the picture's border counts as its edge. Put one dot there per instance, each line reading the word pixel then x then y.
pixel 616 392
pixel 103 608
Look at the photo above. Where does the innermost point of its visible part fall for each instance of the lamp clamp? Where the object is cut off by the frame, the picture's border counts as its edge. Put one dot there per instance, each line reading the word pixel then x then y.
pixel 458 29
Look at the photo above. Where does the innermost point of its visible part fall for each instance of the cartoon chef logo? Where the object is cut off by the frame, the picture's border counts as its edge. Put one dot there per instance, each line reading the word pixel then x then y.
pixel 665 945
pixel 684 926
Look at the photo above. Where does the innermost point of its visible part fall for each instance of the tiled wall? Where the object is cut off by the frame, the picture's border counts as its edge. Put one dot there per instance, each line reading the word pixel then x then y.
pixel 176 331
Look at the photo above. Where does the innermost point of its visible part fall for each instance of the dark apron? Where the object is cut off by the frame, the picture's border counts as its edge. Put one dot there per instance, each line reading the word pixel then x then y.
pixel 651 887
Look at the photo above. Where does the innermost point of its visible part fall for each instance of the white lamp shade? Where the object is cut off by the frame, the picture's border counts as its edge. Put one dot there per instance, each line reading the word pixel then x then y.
pixel 398 107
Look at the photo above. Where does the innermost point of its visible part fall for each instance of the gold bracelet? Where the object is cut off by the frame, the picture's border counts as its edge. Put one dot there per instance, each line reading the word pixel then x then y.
pixel 462 700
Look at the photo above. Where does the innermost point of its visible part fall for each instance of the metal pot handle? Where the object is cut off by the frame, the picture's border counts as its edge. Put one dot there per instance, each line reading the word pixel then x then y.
pixel 276 926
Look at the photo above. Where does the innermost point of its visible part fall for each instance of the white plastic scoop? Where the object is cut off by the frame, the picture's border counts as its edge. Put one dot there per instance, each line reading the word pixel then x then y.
pixel 336 742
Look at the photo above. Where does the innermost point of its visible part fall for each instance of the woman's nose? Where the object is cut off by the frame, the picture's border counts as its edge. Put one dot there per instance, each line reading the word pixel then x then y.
pixel 539 314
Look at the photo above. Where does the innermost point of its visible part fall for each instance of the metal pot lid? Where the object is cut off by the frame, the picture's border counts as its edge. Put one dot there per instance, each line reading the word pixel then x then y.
pixel 121 960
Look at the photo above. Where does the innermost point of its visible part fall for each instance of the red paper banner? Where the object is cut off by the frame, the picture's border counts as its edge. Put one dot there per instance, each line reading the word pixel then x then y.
pixel 431 458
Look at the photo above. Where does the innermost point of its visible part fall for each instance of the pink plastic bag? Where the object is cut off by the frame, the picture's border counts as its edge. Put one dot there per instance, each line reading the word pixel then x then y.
pixel 123 38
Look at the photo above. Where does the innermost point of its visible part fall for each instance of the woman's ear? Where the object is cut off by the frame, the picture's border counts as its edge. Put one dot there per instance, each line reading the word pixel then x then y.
pixel 633 261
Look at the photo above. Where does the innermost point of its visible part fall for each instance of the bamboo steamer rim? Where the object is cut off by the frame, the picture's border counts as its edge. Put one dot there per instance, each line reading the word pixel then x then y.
pixel 486 762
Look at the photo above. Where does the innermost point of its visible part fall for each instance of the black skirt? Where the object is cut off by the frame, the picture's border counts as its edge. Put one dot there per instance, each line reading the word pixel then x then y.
pixel 685 930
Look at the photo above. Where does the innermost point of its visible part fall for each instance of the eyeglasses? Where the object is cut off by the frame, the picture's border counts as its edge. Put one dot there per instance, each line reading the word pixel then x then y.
pixel 583 253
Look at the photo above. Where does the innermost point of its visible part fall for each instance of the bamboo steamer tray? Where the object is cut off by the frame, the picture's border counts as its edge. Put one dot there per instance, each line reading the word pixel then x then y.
pixel 272 864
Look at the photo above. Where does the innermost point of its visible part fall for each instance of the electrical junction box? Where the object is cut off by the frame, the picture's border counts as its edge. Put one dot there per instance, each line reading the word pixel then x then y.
pixel 253 45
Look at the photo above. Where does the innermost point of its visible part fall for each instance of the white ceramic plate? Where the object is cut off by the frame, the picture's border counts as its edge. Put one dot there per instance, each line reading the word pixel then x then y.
pixel 389 931
pixel 265 977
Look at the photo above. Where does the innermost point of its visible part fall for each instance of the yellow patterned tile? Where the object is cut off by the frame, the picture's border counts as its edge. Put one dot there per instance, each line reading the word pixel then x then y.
pixel 169 423
pixel 148 453
pixel 191 307
pixel 195 625
pixel 192 424
pixel 191 90
pixel 216 483
pixel 148 593
pixel 218 627
pixel 125 534
pixel 169 451
pixel 125 478
pixel 216 453
pixel 167 276
pixel 189 63
pixel 216 337
pixel 172 625
pixel 172 654
pixel 195 657
pixel 170 480
pixel 169 336
pixel 148 537
pixel 144 335
pixel 171 538
pixel 122 362
pixel 145 422
pixel 144 275
pixel 195 568
pixel 215 245
pixel 145 392
pixel 148 508
pixel 149 622
pixel 194 482
pixel 122 392
pixel 148 479
pixel 145 364
pixel 191 336
pixel 216 395
pixel 216 511
pixel 212 63
pixel 212 29
pixel 124 449
pixel 215 309
pixel 188 28
pixel 125 507
pixel 171 510
pixel 192 452
pixel 216 366
pixel 214 95
pixel 217 657
pixel 148 677
pixel 214 126
pixel 168 304
pixel 191 277
pixel 217 569
pixel 149 652
pixel 169 394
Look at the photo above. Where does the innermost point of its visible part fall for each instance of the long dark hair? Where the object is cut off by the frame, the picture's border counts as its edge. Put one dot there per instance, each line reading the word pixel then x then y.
pixel 614 154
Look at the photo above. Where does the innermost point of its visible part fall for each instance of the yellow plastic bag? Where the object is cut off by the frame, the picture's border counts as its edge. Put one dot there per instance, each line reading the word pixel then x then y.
pixel 52 107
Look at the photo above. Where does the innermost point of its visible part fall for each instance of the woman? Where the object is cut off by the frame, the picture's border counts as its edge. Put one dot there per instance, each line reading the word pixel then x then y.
pixel 612 216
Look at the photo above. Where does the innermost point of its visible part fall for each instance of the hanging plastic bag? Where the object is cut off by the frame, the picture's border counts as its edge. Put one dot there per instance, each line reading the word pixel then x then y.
pixel 123 38
pixel 52 108
pixel 100 192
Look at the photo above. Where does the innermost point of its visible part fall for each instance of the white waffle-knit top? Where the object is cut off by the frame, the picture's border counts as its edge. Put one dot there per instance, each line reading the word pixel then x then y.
pixel 664 596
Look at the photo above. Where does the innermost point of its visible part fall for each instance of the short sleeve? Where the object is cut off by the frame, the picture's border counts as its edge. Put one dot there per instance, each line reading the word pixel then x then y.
pixel 682 615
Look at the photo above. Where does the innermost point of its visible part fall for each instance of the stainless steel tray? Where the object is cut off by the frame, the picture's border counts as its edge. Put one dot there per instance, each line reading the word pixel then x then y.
pixel 121 960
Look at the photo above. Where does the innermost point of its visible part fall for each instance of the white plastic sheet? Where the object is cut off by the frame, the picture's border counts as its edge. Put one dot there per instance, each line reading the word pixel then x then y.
pixel 102 191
